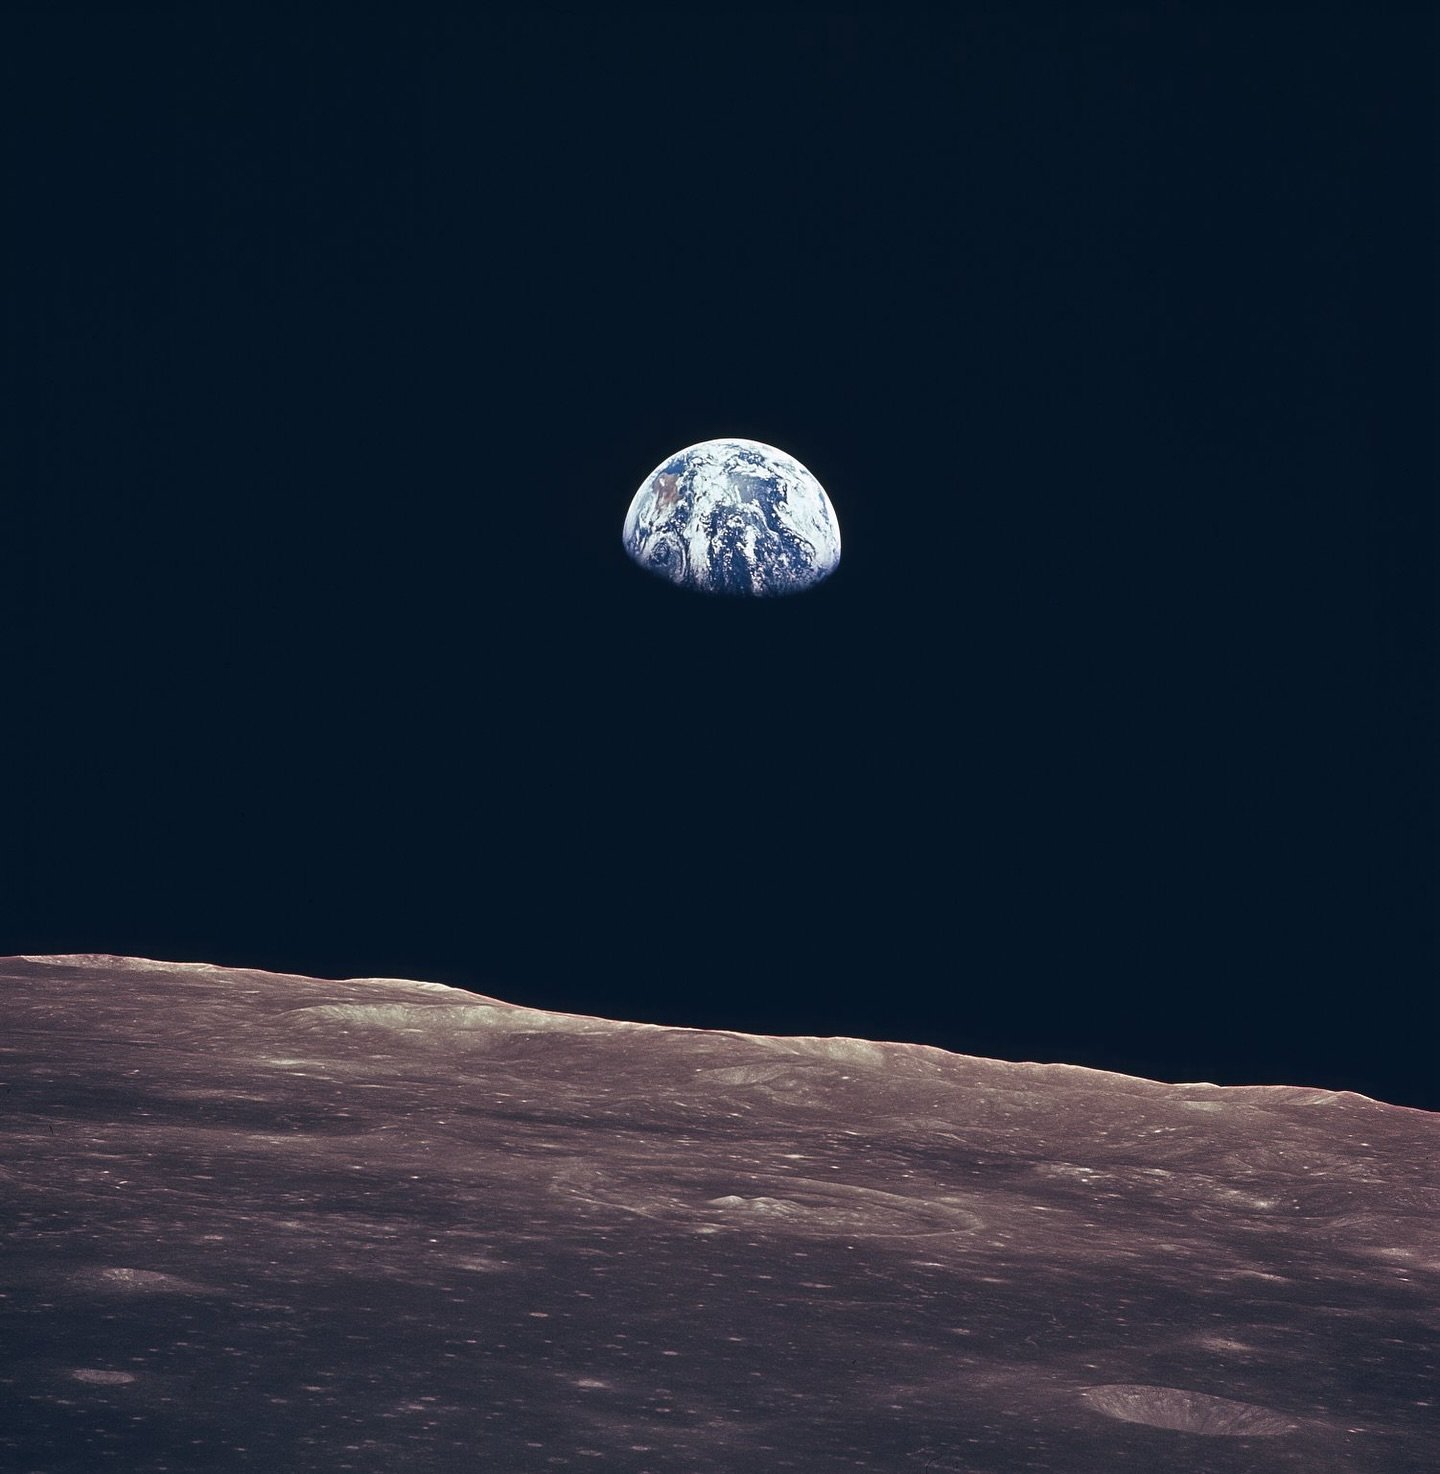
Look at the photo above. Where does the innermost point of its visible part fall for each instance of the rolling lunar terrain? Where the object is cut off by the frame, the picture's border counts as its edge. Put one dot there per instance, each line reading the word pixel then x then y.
pixel 256 1221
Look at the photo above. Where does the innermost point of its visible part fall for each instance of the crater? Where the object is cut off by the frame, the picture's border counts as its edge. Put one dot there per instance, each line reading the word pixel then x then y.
pixel 1186 1412
pixel 135 1282
pixel 845 1209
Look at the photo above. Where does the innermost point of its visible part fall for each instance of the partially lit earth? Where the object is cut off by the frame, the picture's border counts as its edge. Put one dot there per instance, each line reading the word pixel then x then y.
pixel 257 1221
pixel 733 517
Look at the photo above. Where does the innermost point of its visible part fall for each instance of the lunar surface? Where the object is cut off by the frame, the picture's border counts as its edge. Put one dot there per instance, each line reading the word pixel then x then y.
pixel 269 1222
pixel 733 517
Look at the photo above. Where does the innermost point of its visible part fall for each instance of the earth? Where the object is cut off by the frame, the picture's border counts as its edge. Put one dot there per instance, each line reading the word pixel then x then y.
pixel 733 517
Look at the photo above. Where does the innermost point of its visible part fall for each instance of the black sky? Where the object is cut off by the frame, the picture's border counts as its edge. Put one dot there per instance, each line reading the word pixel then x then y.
pixel 343 336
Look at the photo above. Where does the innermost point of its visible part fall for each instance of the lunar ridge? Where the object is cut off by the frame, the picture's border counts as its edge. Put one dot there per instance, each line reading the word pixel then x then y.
pixel 265 1220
